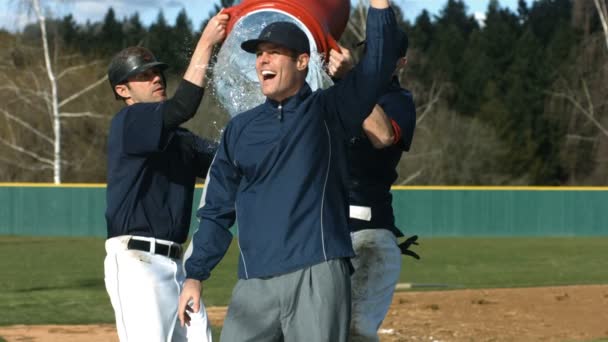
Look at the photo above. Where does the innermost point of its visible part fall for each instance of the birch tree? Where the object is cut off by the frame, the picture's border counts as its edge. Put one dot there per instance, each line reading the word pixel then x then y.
pixel 602 11
pixel 29 89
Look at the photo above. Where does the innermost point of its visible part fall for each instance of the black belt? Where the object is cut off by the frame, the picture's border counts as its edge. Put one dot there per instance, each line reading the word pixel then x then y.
pixel 171 251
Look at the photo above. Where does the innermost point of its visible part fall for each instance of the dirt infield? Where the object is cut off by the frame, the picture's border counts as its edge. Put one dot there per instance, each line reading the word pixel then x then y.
pixel 573 313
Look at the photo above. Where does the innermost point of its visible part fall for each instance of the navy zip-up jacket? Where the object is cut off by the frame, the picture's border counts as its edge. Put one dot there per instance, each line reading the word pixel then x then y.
pixel 281 172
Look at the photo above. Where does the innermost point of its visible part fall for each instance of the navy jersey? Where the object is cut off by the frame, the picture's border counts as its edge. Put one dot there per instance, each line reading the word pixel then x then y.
pixel 373 171
pixel 151 174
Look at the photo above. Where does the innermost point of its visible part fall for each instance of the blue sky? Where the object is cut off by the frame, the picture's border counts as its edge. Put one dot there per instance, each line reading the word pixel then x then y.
pixel 13 15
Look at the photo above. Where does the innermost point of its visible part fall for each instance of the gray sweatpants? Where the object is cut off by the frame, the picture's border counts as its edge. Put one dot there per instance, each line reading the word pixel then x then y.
pixel 312 304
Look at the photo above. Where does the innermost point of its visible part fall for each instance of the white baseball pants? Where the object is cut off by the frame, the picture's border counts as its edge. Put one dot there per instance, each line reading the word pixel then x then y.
pixel 144 289
pixel 377 266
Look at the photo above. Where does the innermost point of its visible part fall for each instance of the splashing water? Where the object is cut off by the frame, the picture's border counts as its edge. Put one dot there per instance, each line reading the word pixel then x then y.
pixel 235 81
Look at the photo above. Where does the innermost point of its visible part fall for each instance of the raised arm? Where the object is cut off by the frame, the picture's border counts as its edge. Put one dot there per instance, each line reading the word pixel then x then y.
pixel 189 94
pixel 214 33
pixel 351 100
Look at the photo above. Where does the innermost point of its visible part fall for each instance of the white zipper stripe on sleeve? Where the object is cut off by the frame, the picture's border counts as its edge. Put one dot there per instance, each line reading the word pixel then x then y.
pixel 238 240
pixel 190 248
pixel 324 187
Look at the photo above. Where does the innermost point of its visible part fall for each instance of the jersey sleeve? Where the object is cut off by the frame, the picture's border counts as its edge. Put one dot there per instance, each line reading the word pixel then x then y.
pixel 216 214
pixel 197 152
pixel 143 129
pixel 399 107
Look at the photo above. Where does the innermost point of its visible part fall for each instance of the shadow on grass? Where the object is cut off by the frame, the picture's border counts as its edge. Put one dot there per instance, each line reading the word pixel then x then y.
pixel 79 285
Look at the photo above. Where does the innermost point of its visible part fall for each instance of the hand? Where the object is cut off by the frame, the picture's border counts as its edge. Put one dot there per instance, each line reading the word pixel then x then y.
pixel 191 293
pixel 340 63
pixel 405 245
pixel 215 31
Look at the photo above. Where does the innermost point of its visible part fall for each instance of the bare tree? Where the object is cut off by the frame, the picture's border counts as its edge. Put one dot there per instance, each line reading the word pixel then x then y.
pixel 602 11
pixel 48 94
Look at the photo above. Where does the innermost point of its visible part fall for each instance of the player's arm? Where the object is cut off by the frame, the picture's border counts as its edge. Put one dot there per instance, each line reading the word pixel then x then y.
pixel 377 126
pixel 189 94
pixel 352 99
pixel 399 109
pixel 379 129
pixel 216 214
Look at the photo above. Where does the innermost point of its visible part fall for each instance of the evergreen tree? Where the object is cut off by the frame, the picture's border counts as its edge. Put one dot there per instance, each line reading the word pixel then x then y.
pixel 182 42
pixel 522 11
pixel 68 30
pixel 546 16
pixel 111 37
pixel 159 39
pixel 532 137
pixel 421 34
pixel 135 32
pixel 455 14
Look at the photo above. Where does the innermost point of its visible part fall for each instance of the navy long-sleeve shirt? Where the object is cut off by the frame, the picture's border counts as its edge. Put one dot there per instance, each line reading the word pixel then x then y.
pixel 373 171
pixel 281 171
pixel 152 169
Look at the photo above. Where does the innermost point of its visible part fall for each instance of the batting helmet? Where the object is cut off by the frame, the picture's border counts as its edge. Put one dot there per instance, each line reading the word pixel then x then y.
pixel 131 61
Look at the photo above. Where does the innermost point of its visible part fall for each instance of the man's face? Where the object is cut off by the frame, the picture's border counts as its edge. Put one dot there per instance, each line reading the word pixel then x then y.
pixel 147 86
pixel 281 74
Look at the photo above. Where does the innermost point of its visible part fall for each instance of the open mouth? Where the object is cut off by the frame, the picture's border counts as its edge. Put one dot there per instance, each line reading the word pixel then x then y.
pixel 268 75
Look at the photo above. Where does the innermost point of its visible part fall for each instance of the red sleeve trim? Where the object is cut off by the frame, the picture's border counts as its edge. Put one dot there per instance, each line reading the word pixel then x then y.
pixel 397 131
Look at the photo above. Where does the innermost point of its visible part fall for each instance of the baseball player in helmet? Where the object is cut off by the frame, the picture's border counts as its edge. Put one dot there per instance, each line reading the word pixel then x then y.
pixel 152 168
pixel 373 156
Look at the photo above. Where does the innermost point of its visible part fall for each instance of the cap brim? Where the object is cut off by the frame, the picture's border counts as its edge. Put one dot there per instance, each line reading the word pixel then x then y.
pixel 251 45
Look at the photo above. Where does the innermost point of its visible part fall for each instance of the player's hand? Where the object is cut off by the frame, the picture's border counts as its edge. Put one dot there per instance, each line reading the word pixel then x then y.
pixel 215 31
pixel 405 245
pixel 340 62
pixel 191 293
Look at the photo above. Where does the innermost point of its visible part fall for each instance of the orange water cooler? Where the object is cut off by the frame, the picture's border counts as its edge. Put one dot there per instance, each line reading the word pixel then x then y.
pixel 324 19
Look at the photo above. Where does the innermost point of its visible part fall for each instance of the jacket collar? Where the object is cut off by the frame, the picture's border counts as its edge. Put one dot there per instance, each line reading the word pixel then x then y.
pixel 294 101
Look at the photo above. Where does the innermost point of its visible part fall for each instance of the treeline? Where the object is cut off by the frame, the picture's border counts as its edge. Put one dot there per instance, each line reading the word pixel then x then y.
pixel 505 73
pixel 516 99
pixel 524 92
pixel 172 42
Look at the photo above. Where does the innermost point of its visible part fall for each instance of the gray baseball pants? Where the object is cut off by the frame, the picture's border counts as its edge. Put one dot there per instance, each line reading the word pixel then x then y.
pixel 312 304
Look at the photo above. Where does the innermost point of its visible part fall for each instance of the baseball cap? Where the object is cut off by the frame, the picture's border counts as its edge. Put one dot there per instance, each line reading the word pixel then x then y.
pixel 282 33
pixel 402 43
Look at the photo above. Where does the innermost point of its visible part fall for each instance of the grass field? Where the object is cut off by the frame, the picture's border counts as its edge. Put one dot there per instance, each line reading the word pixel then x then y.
pixel 60 280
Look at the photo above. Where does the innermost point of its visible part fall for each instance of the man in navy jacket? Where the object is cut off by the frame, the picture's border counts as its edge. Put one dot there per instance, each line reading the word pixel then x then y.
pixel 281 172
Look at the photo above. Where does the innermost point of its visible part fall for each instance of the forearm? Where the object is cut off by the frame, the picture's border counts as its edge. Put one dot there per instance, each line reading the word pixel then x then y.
pixel 379 129
pixel 195 73
pixel 182 106
pixel 214 33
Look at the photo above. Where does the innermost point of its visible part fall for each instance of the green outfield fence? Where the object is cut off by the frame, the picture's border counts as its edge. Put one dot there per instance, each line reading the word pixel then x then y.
pixel 78 210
